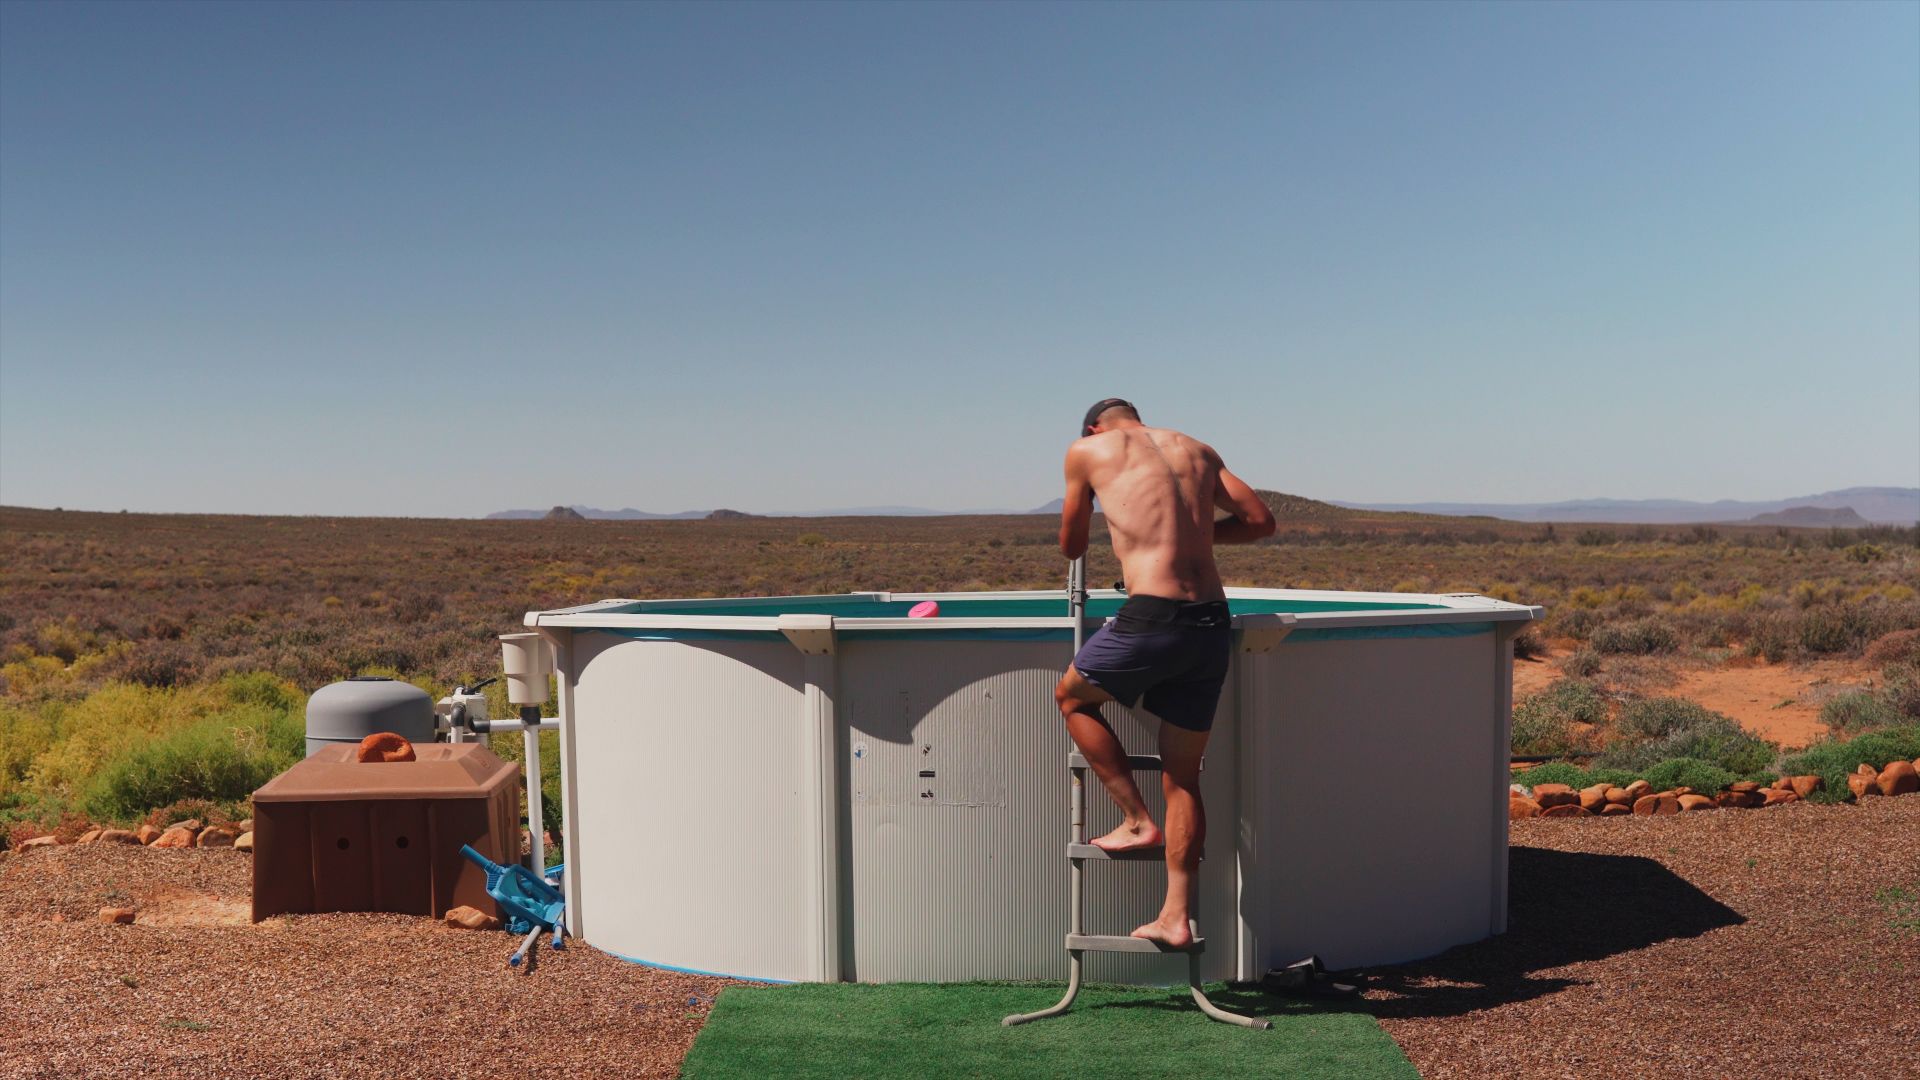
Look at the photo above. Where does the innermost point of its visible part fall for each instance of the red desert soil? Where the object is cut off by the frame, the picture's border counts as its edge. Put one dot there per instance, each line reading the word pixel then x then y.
pixel 194 989
pixel 1736 942
pixel 1776 701
pixel 1726 943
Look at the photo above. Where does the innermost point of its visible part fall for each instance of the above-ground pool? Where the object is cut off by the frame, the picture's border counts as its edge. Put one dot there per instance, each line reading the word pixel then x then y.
pixel 821 788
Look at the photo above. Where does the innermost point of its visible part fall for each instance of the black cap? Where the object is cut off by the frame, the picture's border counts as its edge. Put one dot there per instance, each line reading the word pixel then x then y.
pixel 1086 426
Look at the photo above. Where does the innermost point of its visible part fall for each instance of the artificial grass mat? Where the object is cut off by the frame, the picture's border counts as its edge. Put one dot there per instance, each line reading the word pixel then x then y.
pixel 847 1031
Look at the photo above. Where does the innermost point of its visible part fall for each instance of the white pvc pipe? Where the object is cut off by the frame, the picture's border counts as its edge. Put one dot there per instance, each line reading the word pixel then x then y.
pixel 536 824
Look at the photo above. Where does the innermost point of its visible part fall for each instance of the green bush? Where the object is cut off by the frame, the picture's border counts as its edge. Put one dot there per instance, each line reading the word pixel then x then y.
pixel 1562 772
pixel 1639 637
pixel 1833 759
pixel 220 758
pixel 1859 711
pixel 1702 776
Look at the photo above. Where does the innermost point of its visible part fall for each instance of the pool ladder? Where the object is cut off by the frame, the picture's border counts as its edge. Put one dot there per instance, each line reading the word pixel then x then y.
pixel 1079 943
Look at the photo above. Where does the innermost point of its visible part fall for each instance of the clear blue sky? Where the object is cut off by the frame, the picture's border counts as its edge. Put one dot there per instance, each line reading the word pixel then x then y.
pixel 447 258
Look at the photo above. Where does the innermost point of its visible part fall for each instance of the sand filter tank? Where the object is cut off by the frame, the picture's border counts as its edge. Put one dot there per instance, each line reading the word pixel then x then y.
pixel 347 712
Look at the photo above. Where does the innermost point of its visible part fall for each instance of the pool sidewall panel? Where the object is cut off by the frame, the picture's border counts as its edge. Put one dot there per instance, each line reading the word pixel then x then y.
pixel 694 833
pixel 1365 834
pixel 963 874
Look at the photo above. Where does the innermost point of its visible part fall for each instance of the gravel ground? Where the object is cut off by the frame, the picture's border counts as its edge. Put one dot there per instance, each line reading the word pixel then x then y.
pixel 1711 944
pixel 1727 943
pixel 306 996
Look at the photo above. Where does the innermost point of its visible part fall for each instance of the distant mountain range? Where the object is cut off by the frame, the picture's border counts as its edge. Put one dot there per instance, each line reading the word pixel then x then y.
pixel 1879 505
pixel 1849 506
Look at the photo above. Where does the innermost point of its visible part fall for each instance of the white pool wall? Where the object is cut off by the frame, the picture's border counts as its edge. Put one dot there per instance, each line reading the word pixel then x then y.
pixel 755 807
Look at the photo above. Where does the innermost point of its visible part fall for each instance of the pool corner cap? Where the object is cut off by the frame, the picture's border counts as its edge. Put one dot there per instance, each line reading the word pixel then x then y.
pixel 1261 632
pixel 811 634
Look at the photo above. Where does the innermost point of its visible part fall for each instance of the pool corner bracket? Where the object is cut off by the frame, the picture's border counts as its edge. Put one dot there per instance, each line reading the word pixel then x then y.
pixel 811 634
pixel 1260 633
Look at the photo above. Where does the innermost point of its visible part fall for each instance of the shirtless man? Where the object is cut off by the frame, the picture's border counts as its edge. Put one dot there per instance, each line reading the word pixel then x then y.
pixel 1171 640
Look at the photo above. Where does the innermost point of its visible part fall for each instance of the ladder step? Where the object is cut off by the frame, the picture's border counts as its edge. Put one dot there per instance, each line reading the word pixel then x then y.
pixel 1136 762
pixel 1157 853
pixel 1121 943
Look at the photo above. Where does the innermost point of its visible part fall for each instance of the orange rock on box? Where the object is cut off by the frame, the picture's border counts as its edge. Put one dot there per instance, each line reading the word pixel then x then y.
pixel 1637 789
pixel 1802 786
pixel 1565 810
pixel 1522 808
pixel 1898 778
pixel 1593 798
pixel 1776 796
pixel 1663 803
pixel 1619 795
pixel 1614 809
pixel 1744 786
pixel 1690 801
pixel 146 834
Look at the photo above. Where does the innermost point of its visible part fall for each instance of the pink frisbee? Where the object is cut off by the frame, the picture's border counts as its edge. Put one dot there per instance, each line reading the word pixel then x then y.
pixel 925 609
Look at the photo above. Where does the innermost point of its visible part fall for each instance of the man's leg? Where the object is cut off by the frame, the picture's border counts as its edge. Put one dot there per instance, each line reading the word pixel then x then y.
pixel 1080 702
pixel 1180 753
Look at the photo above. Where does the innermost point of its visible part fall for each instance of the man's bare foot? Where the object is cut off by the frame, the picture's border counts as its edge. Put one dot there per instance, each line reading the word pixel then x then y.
pixel 1131 837
pixel 1173 933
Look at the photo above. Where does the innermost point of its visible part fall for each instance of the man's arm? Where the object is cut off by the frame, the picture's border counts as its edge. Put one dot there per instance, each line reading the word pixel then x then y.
pixel 1076 512
pixel 1251 519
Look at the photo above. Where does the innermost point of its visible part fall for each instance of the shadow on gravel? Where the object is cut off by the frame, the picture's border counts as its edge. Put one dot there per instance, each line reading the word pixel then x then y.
pixel 1555 916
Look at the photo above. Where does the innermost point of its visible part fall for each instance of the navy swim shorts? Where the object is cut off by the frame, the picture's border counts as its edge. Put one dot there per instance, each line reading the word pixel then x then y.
pixel 1172 653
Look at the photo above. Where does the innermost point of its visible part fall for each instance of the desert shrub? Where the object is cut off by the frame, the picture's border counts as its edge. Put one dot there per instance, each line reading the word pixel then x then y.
pixel 1543 723
pixel 1833 759
pixel 1897 647
pixel 1578 623
pixel 1866 553
pixel 1772 636
pixel 208 811
pixel 1702 776
pixel 160 665
pixel 221 758
pixel 24 736
pixel 1654 718
pixel 1859 711
pixel 1576 699
pixel 1711 737
pixel 1638 637
pixel 1584 663
pixel 1849 628
pixel 1903 688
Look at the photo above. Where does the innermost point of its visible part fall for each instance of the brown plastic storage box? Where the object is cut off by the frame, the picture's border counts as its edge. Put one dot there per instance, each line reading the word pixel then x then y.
pixel 336 834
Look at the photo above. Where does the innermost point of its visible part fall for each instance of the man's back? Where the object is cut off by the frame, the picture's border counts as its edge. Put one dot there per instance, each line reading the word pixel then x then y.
pixel 1157 488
